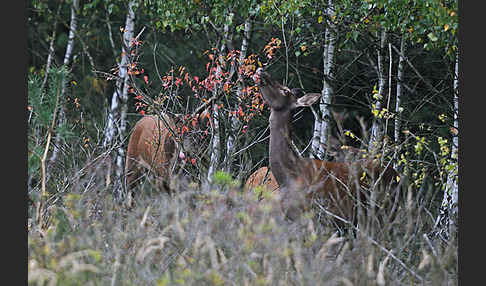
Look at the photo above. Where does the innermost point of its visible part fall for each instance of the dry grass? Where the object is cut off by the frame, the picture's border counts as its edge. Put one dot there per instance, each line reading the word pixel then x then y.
pixel 221 235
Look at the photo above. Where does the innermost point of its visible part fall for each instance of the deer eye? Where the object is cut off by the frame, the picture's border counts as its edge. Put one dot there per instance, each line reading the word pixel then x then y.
pixel 285 91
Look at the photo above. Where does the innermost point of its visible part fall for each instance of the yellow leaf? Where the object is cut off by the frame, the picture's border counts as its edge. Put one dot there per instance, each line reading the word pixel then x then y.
pixel 319 19
pixel 446 27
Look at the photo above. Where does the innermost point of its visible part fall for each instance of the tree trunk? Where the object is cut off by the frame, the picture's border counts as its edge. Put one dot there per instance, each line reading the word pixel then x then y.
pixel 316 137
pixel 231 142
pixel 67 58
pixel 446 220
pixel 400 79
pixel 116 121
pixel 51 50
pixel 399 94
pixel 327 90
pixel 377 128
pixel 216 134
pixel 377 131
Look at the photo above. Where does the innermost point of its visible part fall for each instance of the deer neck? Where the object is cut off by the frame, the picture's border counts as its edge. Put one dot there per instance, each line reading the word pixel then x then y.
pixel 284 161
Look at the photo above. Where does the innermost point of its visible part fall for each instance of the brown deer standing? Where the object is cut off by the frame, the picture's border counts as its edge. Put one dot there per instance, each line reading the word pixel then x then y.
pixel 151 147
pixel 334 184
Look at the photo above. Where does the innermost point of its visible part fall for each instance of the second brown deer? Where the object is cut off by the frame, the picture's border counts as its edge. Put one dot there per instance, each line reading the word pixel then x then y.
pixel 338 186
pixel 153 147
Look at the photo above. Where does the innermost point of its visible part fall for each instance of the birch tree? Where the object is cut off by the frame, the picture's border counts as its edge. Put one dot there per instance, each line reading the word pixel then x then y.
pixel 377 128
pixel 216 150
pixel 452 187
pixel 232 140
pixel 116 121
pixel 399 92
pixel 447 218
pixel 67 58
pixel 329 50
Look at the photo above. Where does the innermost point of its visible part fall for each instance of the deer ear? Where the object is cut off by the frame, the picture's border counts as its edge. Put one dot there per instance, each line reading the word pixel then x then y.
pixel 307 100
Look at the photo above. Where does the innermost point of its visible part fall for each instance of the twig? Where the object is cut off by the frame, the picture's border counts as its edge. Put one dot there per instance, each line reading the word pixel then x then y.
pixel 415 70
pixel 43 162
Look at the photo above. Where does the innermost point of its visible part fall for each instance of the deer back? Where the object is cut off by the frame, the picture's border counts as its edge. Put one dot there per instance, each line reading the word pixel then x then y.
pixel 262 177
pixel 151 146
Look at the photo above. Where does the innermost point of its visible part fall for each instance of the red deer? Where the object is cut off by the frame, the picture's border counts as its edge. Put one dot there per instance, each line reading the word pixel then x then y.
pixel 262 177
pixel 151 147
pixel 303 180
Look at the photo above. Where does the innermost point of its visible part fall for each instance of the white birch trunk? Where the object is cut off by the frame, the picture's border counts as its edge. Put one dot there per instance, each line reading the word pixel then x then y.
pixel 51 52
pixel 116 121
pixel 400 79
pixel 452 177
pixel 449 208
pixel 120 94
pixel 376 135
pixel 216 134
pixel 327 90
pixel 398 99
pixel 235 122
pixel 377 128
pixel 215 143
pixel 316 137
pixel 67 58
pixel 127 41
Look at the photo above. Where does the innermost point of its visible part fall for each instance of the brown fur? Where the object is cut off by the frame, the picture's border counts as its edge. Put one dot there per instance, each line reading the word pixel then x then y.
pixel 262 177
pixel 151 146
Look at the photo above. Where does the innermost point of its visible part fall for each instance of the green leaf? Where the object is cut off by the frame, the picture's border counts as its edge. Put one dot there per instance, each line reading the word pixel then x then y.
pixel 432 37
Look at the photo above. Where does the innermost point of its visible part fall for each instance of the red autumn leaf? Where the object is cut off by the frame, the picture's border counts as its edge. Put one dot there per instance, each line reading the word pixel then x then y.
pixel 226 87
pixel 185 129
pixel 193 161
pixel 145 78
pixel 178 81
pixel 142 112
